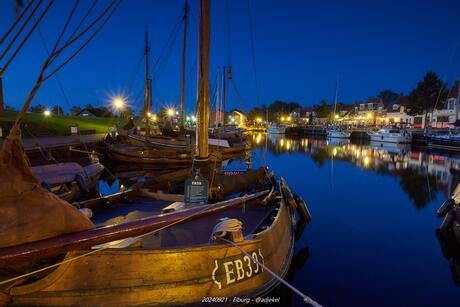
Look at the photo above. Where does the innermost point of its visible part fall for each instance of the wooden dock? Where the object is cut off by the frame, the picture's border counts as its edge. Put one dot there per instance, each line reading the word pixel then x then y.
pixel 59 142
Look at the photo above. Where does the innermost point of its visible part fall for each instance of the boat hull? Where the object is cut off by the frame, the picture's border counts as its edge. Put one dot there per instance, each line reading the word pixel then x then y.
pixel 138 276
pixel 401 139
pixel 338 134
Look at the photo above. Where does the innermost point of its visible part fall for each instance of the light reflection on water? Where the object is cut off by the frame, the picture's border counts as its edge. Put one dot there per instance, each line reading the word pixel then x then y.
pixel 372 240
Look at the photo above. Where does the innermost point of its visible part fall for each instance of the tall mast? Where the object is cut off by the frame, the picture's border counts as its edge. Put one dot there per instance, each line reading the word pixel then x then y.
pixel 182 90
pixel 218 99
pixel 203 81
pixel 146 90
pixel 224 89
pixel 335 96
pixel 2 102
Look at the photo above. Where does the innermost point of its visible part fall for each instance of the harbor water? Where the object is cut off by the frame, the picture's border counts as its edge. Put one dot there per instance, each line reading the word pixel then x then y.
pixel 372 240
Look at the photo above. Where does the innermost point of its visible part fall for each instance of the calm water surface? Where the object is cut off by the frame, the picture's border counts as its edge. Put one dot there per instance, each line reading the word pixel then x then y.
pixel 372 240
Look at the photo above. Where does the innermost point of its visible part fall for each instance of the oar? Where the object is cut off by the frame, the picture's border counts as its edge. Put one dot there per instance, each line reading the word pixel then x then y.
pixel 88 238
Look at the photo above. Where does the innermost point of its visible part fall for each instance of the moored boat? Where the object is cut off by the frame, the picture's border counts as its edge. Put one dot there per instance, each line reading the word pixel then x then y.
pixel 276 129
pixel 70 181
pixel 338 134
pixel 391 135
pixel 449 141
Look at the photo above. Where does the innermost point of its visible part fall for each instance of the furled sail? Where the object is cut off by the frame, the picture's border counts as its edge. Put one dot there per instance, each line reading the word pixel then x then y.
pixel 28 212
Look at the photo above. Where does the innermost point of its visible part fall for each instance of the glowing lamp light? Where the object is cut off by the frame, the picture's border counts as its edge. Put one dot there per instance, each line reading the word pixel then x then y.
pixel 193 118
pixel 369 115
pixel 258 119
pixel 118 103
pixel 282 118
pixel 336 116
pixel 47 113
pixel 187 118
pixel 149 114
pixel 288 119
pixel 170 112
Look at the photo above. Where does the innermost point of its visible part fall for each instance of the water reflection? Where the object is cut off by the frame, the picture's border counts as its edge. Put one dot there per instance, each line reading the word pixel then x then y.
pixel 421 174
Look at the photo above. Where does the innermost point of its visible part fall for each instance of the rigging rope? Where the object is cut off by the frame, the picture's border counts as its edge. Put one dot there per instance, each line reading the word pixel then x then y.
pixel 305 298
pixel 11 28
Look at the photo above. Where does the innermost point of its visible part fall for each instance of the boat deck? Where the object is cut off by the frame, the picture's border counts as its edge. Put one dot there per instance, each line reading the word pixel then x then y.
pixel 193 232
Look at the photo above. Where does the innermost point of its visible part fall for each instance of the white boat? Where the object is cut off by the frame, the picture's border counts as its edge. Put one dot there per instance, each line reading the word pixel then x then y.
pixel 338 134
pixel 276 129
pixel 391 135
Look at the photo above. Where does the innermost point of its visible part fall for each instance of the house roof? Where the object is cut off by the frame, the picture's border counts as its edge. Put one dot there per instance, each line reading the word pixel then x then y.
pixel 453 92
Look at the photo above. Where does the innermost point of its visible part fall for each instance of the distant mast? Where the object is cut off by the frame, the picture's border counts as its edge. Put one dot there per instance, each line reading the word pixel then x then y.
pixel 182 90
pixel 203 82
pixel 147 93
pixel 335 97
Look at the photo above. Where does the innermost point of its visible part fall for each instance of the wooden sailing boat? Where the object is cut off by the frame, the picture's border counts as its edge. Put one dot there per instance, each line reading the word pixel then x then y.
pixel 221 144
pixel 240 247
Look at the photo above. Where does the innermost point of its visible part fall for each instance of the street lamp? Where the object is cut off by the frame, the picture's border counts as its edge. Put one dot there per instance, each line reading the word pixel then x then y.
pixel 170 112
pixel 118 103
pixel 47 113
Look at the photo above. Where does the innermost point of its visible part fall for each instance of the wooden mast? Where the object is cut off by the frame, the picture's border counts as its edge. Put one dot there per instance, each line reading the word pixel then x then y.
pixel 182 90
pixel 203 82
pixel 2 102
pixel 147 88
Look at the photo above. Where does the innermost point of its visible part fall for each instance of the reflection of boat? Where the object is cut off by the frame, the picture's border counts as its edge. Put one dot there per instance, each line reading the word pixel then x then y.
pixel 391 135
pixel 68 180
pixel 450 211
pixel 337 141
pixel 276 129
pixel 397 148
pixel 338 134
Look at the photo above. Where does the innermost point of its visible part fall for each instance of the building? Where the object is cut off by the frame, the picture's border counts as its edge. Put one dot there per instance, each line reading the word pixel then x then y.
pixel 85 113
pixel 446 117
pixel 237 118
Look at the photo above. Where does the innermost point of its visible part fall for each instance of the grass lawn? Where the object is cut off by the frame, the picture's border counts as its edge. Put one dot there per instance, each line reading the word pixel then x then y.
pixel 56 125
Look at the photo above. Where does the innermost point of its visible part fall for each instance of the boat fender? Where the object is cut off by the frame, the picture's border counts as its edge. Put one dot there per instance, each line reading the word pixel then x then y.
pixel 46 186
pixel 302 209
pixel 445 207
pixel 448 219
pixel 81 184
pixel 86 212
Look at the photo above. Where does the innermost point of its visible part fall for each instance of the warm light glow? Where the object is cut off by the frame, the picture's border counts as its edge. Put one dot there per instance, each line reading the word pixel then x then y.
pixel 366 161
pixel 47 113
pixel 369 115
pixel 149 114
pixel 258 138
pixel 193 118
pixel 282 118
pixel 258 119
pixel 187 118
pixel 170 112
pixel 118 103
pixel 288 119
pixel 153 117
pixel 334 151
pixel 336 116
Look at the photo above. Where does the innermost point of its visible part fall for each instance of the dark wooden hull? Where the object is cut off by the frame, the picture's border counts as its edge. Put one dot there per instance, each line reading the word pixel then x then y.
pixel 168 275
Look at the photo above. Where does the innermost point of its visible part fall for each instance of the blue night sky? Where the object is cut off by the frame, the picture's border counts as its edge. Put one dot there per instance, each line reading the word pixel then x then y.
pixel 301 48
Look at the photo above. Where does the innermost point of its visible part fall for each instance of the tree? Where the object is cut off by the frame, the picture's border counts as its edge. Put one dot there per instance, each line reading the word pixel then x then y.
pixel 322 109
pixel 75 110
pixel 256 112
pixel 388 96
pixel 37 108
pixel 127 113
pixel 58 110
pixel 279 108
pixel 425 95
